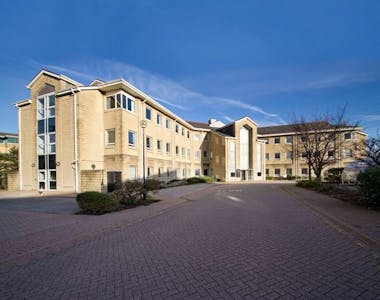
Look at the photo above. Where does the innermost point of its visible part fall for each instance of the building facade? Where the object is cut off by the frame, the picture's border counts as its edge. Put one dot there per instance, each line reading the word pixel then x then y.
pixel 77 138
pixel 7 141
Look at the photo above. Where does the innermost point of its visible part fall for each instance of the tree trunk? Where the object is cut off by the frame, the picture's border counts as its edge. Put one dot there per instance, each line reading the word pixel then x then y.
pixel 309 172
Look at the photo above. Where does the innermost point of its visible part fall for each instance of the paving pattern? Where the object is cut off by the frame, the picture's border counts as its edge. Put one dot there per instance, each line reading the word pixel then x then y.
pixel 229 241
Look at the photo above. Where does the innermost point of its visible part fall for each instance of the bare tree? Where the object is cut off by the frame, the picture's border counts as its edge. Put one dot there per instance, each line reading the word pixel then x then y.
pixel 319 138
pixel 369 150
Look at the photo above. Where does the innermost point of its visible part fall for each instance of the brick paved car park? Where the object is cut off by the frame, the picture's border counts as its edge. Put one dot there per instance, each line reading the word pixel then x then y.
pixel 226 241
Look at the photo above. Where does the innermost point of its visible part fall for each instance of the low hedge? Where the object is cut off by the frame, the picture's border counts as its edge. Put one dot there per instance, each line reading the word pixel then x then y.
pixel 96 203
pixel 369 186
pixel 202 179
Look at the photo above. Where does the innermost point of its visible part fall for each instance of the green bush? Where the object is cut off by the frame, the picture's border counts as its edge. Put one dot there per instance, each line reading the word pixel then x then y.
pixel 203 179
pixel 131 192
pixel 269 178
pixel 369 186
pixel 333 174
pixel 96 203
pixel 152 184
pixel 307 184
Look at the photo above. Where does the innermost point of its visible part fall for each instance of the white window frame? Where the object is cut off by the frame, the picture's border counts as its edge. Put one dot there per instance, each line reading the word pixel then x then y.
pixel 107 136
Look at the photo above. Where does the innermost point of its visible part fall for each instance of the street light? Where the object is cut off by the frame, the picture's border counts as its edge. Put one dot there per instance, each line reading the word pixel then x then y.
pixel 143 125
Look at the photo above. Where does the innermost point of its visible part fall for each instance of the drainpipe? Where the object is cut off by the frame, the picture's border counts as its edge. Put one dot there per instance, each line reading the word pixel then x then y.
pixel 76 176
pixel 19 149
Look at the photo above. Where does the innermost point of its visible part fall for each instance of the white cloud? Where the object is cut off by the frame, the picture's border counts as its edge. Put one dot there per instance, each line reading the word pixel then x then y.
pixel 371 117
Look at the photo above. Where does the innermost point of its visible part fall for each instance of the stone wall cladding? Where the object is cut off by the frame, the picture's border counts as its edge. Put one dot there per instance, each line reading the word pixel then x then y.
pixel 93 180
pixel 13 181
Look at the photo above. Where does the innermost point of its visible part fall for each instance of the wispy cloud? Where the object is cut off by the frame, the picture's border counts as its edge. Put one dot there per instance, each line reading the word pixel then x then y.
pixel 162 89
pixel 371 118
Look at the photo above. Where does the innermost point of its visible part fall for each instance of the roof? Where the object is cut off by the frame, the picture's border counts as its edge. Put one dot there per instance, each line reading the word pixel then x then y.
pixel 54 75
pixel 8 134
pixel 199 125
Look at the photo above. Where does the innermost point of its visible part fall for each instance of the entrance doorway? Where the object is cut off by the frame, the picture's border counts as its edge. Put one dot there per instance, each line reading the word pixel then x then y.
pixel 113 180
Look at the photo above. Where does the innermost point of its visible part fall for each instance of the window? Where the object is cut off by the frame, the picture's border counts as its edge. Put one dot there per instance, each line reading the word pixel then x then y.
pixel 277 172
pixel 267 172
pixel 267 156
pixel 183 131
pixel 289 139
pixel 289 155
pixel 110 136
pixel 205 154
pixel 304 171
pixel 176 150
pixel 188 154
pixel 188 134
pixel 168 172
pixel 289 171
pixel 183 173
pixel 131 138
pixel 196 136
pixel 197 155
pixel 159 119
pixel 277 155
pixel 197 172
pixel 167 147
pixel 167 123
pixel 330 153
pixel 110 102
pixel 149 143
pixel 160 172
pixel 150 171
pixel 132 174
pixel 148 114
pixel 348 136
pixel 131 105
pixel 176 128
pixel 304 155
pixel 266 141
pixel 159 145
pixel 183 152
pixel 124 101
pixel 348 152
pixel 277 140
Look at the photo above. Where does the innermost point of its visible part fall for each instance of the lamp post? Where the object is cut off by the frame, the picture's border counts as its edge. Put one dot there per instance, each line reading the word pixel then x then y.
pixel 143 125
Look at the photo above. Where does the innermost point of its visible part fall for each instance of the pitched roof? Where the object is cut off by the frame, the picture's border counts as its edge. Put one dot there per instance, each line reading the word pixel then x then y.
pixel 199 124
pixel 275 129
pixel 290 128
pixel 8 134
pixel 54 75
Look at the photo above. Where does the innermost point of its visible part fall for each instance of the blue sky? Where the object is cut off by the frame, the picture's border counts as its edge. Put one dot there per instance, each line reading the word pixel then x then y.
pixel 202 59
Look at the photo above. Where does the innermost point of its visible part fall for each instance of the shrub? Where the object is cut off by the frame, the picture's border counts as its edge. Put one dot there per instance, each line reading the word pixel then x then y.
pixel 269 178
pixel 333 174
pixel 369 186
pixel 307 184
pixel 96 203
pixel 130 193
pixel 152 184
pixel 203 179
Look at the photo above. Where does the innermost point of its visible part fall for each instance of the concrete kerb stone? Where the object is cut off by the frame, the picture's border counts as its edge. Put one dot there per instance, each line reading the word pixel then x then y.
pixel 334 221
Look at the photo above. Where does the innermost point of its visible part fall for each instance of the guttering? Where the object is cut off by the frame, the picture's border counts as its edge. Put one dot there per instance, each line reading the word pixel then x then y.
pixel 19 150
pixel 76 175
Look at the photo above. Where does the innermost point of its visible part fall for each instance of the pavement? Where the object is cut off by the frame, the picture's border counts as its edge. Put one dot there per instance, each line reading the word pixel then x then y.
pixel 217 241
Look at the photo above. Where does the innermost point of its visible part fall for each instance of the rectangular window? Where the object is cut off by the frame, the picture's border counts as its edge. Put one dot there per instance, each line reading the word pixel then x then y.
pixel 176 150
pixel 183 131
pixel 205 154
pixel 110 136
pixel 159 145
pixel 266 141
pixel 197 172
pixel 131 105
pixel 118 100
pixel 168 172
pixel 176 128
pixel 188 134
pixel 124 101
pixel 304 155
pixel 188 153
pixel 183 152
pixel 149 143
pixel 159 119
pixel 289 155
pixel 304 171
pixel 41 126
pixel 110 102
pixel 196 136
pixel 277 155
pixel 267 156
pixel 277 140
pixel 289 139
pixel 197 155
pixel 167 147
pixel 148 114
pixel 277 172
pixel 289 171
pixel 167 123
pixel 132 172
pixel 159 172
pixel 330 154
pixel 348 152
pixel 131 138
pixel 267 172
pixel 150 171
pixel 51 125
pixel 347 136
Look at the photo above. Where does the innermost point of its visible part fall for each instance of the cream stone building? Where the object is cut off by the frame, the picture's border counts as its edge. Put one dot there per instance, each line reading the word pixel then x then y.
pixel 77 138
pixel 7 141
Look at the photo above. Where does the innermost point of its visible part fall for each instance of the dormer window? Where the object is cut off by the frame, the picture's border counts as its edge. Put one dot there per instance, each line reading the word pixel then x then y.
pixel 120 100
